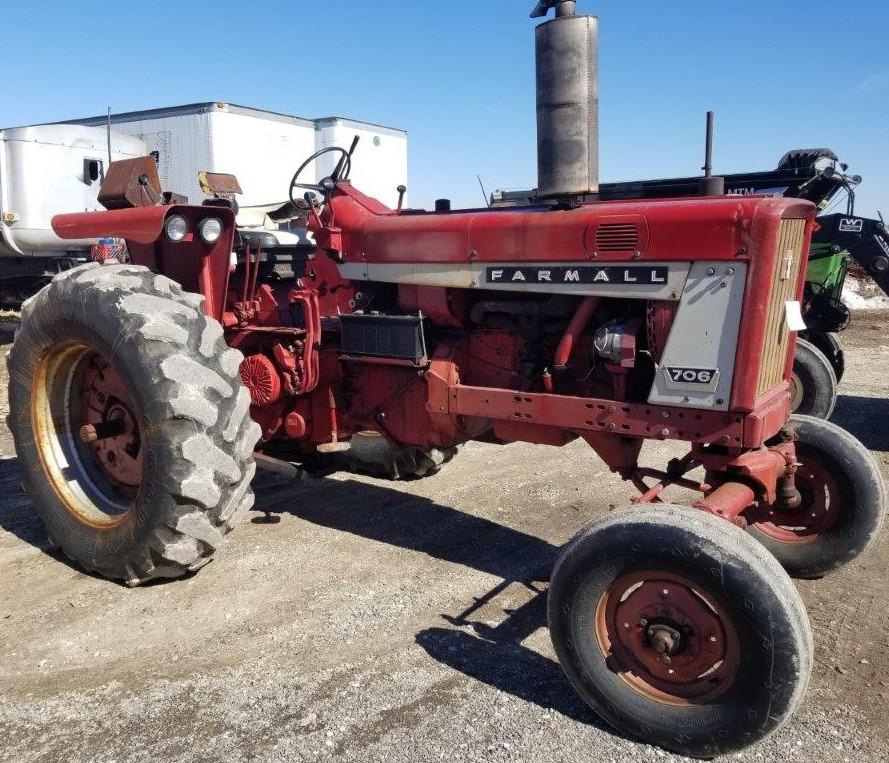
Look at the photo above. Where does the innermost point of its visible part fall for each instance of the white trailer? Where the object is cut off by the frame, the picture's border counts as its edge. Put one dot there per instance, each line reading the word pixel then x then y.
pixel 262 148
pixel 44 170
pixel 380 162
pixel 47 169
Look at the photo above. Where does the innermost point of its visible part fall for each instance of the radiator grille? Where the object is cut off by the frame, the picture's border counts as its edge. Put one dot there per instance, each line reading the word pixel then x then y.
pixel 785 280
pixel 617 237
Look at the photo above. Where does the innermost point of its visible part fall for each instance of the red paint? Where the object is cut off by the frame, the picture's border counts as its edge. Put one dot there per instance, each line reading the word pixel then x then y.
pixel 582 415
pixel 142 225
pixel 295 426
pixel 762 253
pixel 628 619
pixel 105 399
pixel 728 500
pixel 576 328
pixel 261 379
pixel 198 267
pixel 444 307
pixel 671 230
pixel 824 504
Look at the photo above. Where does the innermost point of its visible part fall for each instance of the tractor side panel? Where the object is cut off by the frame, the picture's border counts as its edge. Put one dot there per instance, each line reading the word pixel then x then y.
pixel 697 366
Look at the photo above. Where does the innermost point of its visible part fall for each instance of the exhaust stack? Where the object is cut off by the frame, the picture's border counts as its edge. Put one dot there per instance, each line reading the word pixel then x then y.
pixel 567 101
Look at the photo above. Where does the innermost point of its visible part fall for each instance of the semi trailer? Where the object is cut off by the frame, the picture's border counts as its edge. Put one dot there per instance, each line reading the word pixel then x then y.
pixel 45 169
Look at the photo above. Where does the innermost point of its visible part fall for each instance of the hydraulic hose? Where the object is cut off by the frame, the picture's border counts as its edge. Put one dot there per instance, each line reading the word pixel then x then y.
pixel 576 327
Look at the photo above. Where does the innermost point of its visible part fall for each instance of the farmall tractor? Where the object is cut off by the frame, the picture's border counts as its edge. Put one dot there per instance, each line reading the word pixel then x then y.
pixel 140 392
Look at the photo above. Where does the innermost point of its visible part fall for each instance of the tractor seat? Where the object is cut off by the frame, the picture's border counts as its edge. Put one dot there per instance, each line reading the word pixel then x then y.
pixel 277 245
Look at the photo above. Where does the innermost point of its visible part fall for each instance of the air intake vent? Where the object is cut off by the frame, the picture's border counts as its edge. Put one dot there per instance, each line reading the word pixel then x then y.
pixel 617 237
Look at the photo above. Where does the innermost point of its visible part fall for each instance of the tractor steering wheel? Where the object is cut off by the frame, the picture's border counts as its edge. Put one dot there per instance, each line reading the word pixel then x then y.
pixel 325 186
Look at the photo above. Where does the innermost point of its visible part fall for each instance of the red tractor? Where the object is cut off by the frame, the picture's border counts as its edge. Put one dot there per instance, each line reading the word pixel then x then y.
pixel 140 392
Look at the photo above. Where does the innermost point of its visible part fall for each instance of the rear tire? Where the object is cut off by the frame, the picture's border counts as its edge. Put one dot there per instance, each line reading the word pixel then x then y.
pixel 844 503
pixel 120 349
pixel 813 385
pixel 701 587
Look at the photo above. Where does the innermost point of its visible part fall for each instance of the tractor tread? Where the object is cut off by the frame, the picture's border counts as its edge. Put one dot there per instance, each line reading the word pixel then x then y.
pixel 741 570
pixel 200 409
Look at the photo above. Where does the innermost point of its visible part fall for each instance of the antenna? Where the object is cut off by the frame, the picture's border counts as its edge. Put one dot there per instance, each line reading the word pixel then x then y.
pixel 484 192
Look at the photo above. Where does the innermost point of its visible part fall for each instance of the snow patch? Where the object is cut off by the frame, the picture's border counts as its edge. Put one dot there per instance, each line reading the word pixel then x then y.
pixel 864 295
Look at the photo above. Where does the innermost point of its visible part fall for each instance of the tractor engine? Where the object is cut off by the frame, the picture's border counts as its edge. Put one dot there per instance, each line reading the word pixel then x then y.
pixel 540 325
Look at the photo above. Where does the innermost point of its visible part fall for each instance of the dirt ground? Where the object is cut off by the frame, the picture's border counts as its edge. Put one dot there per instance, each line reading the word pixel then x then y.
pixel 341 632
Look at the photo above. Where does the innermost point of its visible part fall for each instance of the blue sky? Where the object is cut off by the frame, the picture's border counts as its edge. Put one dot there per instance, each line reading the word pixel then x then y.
pixel 459 77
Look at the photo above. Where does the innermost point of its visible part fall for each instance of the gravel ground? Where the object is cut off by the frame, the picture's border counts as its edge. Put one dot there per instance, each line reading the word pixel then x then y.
pixel 342 631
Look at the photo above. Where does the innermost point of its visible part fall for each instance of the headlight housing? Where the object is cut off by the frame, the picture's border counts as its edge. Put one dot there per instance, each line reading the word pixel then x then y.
pixel 210 229
pixel 176 228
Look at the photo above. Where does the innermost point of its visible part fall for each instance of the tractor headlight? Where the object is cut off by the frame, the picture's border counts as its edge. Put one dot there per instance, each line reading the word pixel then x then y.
pixel 210 230
pixel 176 228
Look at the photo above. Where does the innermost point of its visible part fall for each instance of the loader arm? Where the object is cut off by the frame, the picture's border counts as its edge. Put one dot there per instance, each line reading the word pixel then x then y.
pixel 865 239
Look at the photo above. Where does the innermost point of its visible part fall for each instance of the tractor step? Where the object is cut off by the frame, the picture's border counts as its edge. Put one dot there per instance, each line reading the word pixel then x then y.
pixel 334 447
pixel 276 465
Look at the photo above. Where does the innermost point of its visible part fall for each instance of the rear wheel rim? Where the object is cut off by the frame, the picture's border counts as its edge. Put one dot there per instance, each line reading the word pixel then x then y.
pixel 642 611
pixel 88 434
pixel 821 507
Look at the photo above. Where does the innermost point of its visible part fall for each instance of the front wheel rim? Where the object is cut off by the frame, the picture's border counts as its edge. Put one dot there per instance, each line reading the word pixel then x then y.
pixel 642 612
pixel 88 434
pixel 821 506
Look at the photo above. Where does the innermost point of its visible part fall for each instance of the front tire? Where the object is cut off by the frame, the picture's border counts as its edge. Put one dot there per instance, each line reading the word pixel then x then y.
pixel 130 422
pixel 679 630
pixel 829 345
pixel 813 384
pixel 843 508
